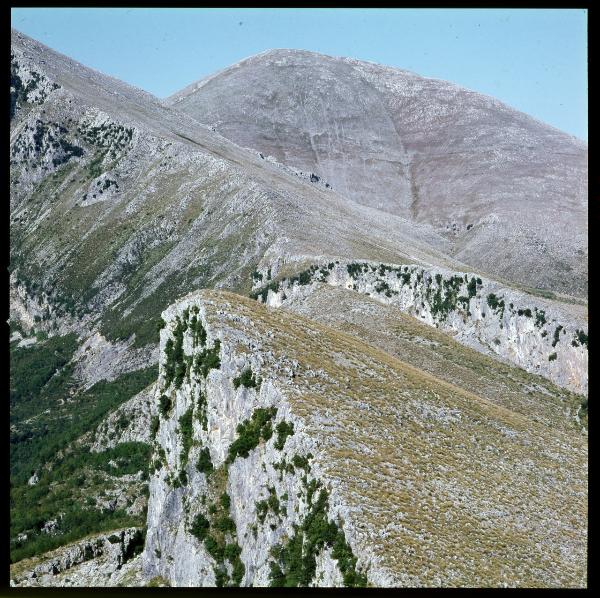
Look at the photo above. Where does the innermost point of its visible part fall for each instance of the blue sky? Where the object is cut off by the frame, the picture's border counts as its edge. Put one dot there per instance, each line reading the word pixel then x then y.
pixel 534 60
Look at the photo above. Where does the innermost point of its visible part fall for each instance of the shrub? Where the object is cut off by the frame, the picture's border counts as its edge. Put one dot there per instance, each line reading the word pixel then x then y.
pixel 492 301
pixel 301 462
pixel 164 405
pixel 552 357
pixel 204 464
pixel 208 359
pixel 247 379
pixel 250 432
pixel 472 288
pixel 154 424
pixel 225 524
pixel 556 335
pixel 283 430
pixel 540 317
pixel 225 500
pixel 186 430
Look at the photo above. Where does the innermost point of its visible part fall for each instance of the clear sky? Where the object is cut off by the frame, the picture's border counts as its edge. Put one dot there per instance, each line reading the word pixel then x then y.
pixel 534 60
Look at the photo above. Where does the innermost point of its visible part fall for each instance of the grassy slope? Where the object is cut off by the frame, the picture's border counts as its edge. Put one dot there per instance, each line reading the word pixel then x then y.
pixel 436 353
pixel 463 488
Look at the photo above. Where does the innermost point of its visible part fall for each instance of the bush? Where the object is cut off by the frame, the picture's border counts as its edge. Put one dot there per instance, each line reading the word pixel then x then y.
pixel 250 432
pixel 225 501
pixel 552 357
pixel 472 288
pixel 186 430
pixel 154 424
pixel 247 379
pixel 200 527
pixel 556 335
pixel 204 464
pixel 283 431
pixel 208 359
pixel 164 405
pixel 225 524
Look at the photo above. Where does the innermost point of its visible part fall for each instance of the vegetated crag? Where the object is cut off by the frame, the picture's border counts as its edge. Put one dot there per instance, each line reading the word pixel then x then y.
pixel 291 454
pixel 101 560
pixel 540 336
pixel 509 191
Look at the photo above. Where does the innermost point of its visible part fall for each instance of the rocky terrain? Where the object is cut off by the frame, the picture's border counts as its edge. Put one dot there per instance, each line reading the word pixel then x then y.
pixel 243 436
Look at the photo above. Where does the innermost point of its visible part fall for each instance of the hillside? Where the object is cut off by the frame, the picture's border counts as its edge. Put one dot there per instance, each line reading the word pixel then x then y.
pixel 508 192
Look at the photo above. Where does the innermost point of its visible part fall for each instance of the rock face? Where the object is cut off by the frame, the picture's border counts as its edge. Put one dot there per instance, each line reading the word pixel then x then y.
pixel 537 335
pixel 101 560
pixel 509 191
pixel 280 463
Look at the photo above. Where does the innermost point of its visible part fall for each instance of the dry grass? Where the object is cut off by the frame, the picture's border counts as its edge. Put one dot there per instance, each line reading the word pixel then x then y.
pixel 447 486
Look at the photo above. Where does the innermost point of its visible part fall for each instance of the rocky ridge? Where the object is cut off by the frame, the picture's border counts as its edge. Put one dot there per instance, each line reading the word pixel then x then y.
pixel 540 336
pixel 509 192
pixel 237 377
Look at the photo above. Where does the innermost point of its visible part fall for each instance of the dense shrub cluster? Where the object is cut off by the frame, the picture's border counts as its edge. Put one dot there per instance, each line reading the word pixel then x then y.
pixel 251 431
pixel 247 379
pixel 283 429
pixel 295 563
pixel 204 464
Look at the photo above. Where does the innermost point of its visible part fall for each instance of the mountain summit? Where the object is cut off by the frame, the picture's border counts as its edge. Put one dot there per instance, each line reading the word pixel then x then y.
pixel 508 191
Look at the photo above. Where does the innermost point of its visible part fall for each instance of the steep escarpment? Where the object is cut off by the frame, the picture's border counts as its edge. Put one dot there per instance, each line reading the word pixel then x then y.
pixel 287 453
pixel 100 560
pixel 541 336
pixel 119 205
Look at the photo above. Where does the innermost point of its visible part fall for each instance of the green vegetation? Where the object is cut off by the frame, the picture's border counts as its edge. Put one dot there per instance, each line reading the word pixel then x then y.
pixel 218 532
pixel 208 360
pixel 525 312
pixel 295 563
pixel 164 405
pixel 43 428
pixel 39 419
pixel 251 431
pixel 355 269
pixel 154 425
pixel 496 304
pixel 60 492
pixel 283 429
pixel 552 357
pixel 200 527
pixel 31 368
pixel 540 317
pixel 302 462
pixel 204 464
pixel 556 335
pixel 264 291
pixel 247 379
pixel 472 288
pixel 581 338
pixel 175 365
pixel 186 431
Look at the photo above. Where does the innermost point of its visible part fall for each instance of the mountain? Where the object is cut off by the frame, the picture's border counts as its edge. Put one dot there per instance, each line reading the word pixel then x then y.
pixel 507 191
pixel 218 358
